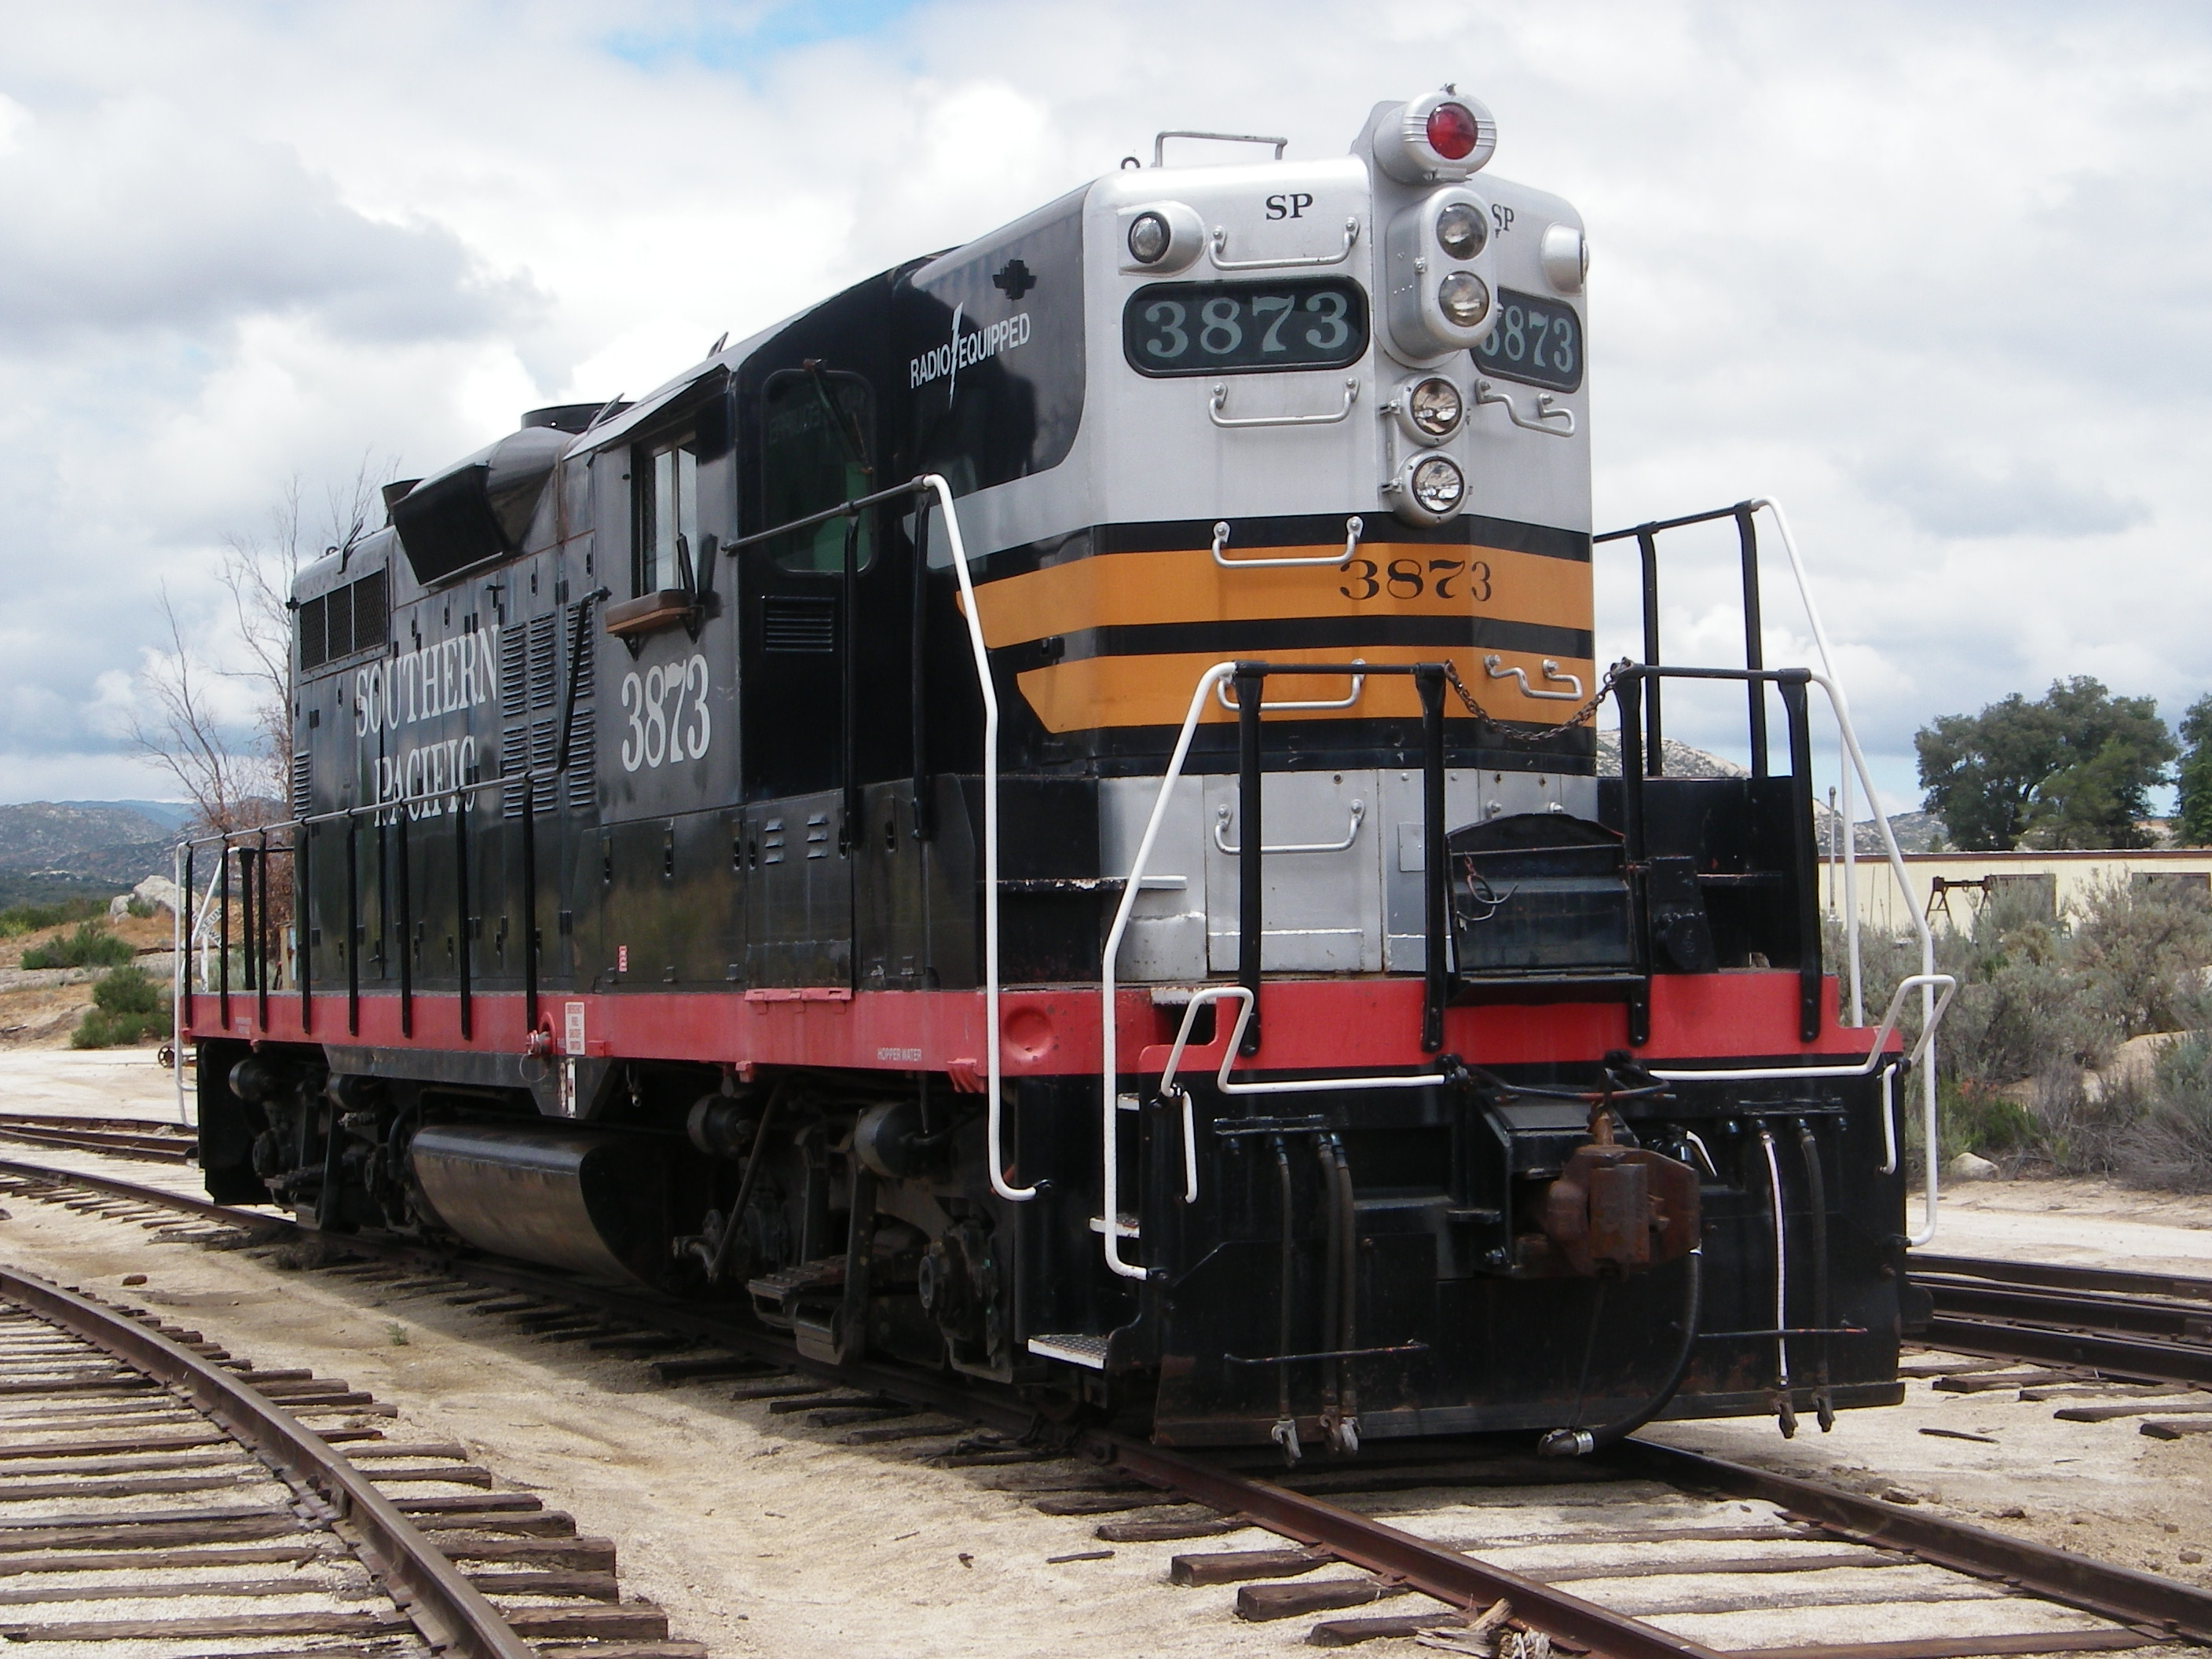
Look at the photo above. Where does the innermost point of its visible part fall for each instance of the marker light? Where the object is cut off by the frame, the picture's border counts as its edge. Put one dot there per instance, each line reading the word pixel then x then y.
pixel 1453 131
pixel 1434 406
pixel 1465 298
pixel 1149 237
pixel 1461 231
pixel 1438 138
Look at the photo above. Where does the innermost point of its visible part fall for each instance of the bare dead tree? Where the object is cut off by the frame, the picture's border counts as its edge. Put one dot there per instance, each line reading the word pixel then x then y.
pixel 233 761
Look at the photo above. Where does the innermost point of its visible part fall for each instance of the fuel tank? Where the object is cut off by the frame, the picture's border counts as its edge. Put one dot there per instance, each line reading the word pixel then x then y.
pixel 591 1203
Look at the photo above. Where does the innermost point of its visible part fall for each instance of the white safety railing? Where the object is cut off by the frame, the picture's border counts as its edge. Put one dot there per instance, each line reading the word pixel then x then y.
pixel 1930 1014
pixel 1109 1182
pixel 995 1108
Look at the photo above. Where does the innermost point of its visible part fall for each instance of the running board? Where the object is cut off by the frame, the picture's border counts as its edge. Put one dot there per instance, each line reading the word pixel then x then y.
pixel 1089 1351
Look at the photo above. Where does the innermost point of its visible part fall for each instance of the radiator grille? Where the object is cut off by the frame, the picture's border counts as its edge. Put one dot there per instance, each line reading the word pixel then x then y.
pixel 583 777
pixel 789 625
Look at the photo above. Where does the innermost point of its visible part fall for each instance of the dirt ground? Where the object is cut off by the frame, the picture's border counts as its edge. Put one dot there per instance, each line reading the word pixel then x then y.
pixel 764 1536
pixel 39 1008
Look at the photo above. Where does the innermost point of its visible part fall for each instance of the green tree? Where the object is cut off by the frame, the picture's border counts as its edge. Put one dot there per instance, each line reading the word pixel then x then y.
pixel 2194 827
pixel 2073 769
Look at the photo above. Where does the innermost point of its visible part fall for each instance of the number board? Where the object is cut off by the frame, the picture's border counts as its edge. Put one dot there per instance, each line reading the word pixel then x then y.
pixel 1535 341
pixel 1244 328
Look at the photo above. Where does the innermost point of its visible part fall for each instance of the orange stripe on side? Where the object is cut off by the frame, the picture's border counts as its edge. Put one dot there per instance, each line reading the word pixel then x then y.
pixel 1113 589
pixel 1098 692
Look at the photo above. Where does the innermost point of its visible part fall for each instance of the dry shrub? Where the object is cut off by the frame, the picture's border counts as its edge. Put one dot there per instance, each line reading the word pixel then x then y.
pixel 2043 1000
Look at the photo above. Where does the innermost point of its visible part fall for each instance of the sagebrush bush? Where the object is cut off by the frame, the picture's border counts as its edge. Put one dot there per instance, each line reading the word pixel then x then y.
pixel 127 1006
pixel 90 946
pixel 18 919
pixel 2043 1001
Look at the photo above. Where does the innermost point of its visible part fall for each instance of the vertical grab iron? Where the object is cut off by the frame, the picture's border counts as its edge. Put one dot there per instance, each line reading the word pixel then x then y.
pixel 1251 689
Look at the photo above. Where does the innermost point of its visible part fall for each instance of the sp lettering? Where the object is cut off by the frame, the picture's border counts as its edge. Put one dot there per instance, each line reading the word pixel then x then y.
pixel 1292 205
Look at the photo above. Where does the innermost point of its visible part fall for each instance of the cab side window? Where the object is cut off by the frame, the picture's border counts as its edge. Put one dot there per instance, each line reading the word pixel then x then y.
pixel 818 431
pixel 665 488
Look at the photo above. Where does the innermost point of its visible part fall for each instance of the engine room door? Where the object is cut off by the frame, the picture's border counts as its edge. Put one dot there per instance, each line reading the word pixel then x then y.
pixel 816 436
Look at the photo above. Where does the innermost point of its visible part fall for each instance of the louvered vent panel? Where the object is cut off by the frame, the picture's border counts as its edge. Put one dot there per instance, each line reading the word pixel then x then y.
pixel 314 638
pixel 789 625
pixel 337 621
pixel 513 761
pixel 583 777
pixel 303 783
pixel 372 612
pixel 545 674
pixel 576 619
pixel 513 695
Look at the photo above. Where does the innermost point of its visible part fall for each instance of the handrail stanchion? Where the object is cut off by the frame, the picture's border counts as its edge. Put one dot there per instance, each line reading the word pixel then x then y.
pixel 1251 898
pixel 1806 861
pixel 261 933
pixel 1429 682
pixel 460 808
pixel 1647 547
pixel 406 926
pixel 1754 647
pixel 530 907
pixel 180 970
pixel 353 925
pixel 303 911
pixel 222 932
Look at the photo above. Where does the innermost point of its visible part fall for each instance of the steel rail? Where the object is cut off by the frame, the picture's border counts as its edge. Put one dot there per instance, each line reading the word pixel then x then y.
pixel 1361 1540
pixel 2123 1281
pixel 2144 1357
pixel 2139 1601
pixel 2152 1325
pixel 99 1135
pixel 453 1614
pixel 2120 1593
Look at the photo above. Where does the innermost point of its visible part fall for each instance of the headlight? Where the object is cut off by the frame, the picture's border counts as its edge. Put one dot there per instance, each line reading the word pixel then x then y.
pixel 1148 239
pixel 1461 231
pixel 1437 486
pixel 1465 298
pixel 1429 489
pixel 1434 406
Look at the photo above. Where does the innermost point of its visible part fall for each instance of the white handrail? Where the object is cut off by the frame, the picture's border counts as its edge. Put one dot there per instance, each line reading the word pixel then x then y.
pixel 1493 664
pixel 994 1109
pixel 1841 704
pixel 180 974
pixel 1354 527
pixel 1358 686
pixel 1223 813
pixel 1303 1085
pixel 1108 1037
pixel 1875 1050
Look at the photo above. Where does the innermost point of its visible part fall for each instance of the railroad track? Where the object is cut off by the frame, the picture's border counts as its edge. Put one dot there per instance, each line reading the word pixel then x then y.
pixel 155 1488
pixel 1648 1552
pixel 130 1137
pixel 2153 1326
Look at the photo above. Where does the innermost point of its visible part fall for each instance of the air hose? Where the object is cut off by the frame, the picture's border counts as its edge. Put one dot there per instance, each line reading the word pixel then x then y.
pixel 1581 1443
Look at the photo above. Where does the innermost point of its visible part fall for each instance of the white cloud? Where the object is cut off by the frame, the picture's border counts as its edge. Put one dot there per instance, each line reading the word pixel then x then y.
pixel 1941 278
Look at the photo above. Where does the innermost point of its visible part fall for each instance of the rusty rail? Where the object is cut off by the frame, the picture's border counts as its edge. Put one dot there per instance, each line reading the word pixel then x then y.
pixel 452 1615
pixel 2151 1608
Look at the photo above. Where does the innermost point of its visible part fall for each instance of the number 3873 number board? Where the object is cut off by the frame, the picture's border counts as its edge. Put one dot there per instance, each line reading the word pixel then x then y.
pixel 1244 328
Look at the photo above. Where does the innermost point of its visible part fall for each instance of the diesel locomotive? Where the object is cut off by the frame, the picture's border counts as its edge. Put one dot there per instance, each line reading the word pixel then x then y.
pixel 1042 819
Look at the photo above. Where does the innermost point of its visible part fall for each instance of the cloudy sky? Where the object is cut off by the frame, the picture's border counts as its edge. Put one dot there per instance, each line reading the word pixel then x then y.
pixel 1938 276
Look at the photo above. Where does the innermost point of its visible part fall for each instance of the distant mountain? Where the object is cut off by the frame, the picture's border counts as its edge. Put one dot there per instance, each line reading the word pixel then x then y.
pixel 1916 832
pixel 171 815
pixel 115 841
